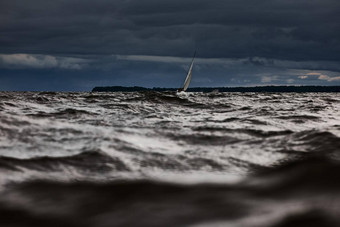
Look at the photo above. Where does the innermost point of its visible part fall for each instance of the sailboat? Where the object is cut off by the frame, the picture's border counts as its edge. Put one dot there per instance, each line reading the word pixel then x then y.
pixel 188 78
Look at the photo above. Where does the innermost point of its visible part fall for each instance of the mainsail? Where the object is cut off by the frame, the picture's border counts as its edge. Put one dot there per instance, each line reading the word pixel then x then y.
pixel 189 75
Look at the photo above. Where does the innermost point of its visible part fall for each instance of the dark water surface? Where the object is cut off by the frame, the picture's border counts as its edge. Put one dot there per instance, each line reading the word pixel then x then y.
pixel 159 159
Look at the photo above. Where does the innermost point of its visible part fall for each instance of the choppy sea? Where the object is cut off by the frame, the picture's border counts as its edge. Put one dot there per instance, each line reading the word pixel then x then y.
pixel 162 159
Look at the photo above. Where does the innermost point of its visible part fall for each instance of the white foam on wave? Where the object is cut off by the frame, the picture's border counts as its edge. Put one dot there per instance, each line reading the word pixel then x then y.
pixel 166 131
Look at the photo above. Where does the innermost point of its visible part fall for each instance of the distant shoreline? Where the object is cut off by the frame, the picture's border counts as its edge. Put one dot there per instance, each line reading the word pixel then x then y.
pixel 225 89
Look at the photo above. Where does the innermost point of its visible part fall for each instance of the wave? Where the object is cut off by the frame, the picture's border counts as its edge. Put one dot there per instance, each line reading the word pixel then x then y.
pixel 64 113
pixel 4 96
pixel 300 191
pixel 9 104
pixel 299 118
pixel 311 141
pixel 173 99
pixel 252 132
pixel 89 161
pixel 312 218
pixel 42 99
pixel 48 93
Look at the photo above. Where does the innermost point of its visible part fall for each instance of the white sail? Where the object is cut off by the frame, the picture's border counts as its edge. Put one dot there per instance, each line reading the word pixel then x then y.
pixel 188 79
pixel 189 75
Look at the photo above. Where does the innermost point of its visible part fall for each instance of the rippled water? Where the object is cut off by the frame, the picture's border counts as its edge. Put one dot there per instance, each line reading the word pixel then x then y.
pixel 158 159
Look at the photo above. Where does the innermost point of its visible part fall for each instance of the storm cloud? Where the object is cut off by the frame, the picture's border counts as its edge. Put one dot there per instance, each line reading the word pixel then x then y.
pixel 82 43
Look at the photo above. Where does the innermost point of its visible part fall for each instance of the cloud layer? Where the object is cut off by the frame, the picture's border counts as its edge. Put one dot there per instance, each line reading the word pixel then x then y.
pixel 40 61
pixel 127 38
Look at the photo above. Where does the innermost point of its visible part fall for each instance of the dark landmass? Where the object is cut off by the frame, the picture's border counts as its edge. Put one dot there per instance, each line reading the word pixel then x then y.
pixel 225 89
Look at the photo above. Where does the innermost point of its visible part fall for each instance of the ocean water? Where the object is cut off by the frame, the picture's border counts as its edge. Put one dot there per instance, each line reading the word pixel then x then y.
pixel 159 159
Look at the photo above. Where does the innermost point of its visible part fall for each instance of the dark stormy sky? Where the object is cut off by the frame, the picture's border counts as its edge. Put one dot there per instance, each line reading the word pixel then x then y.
pixel 74 45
